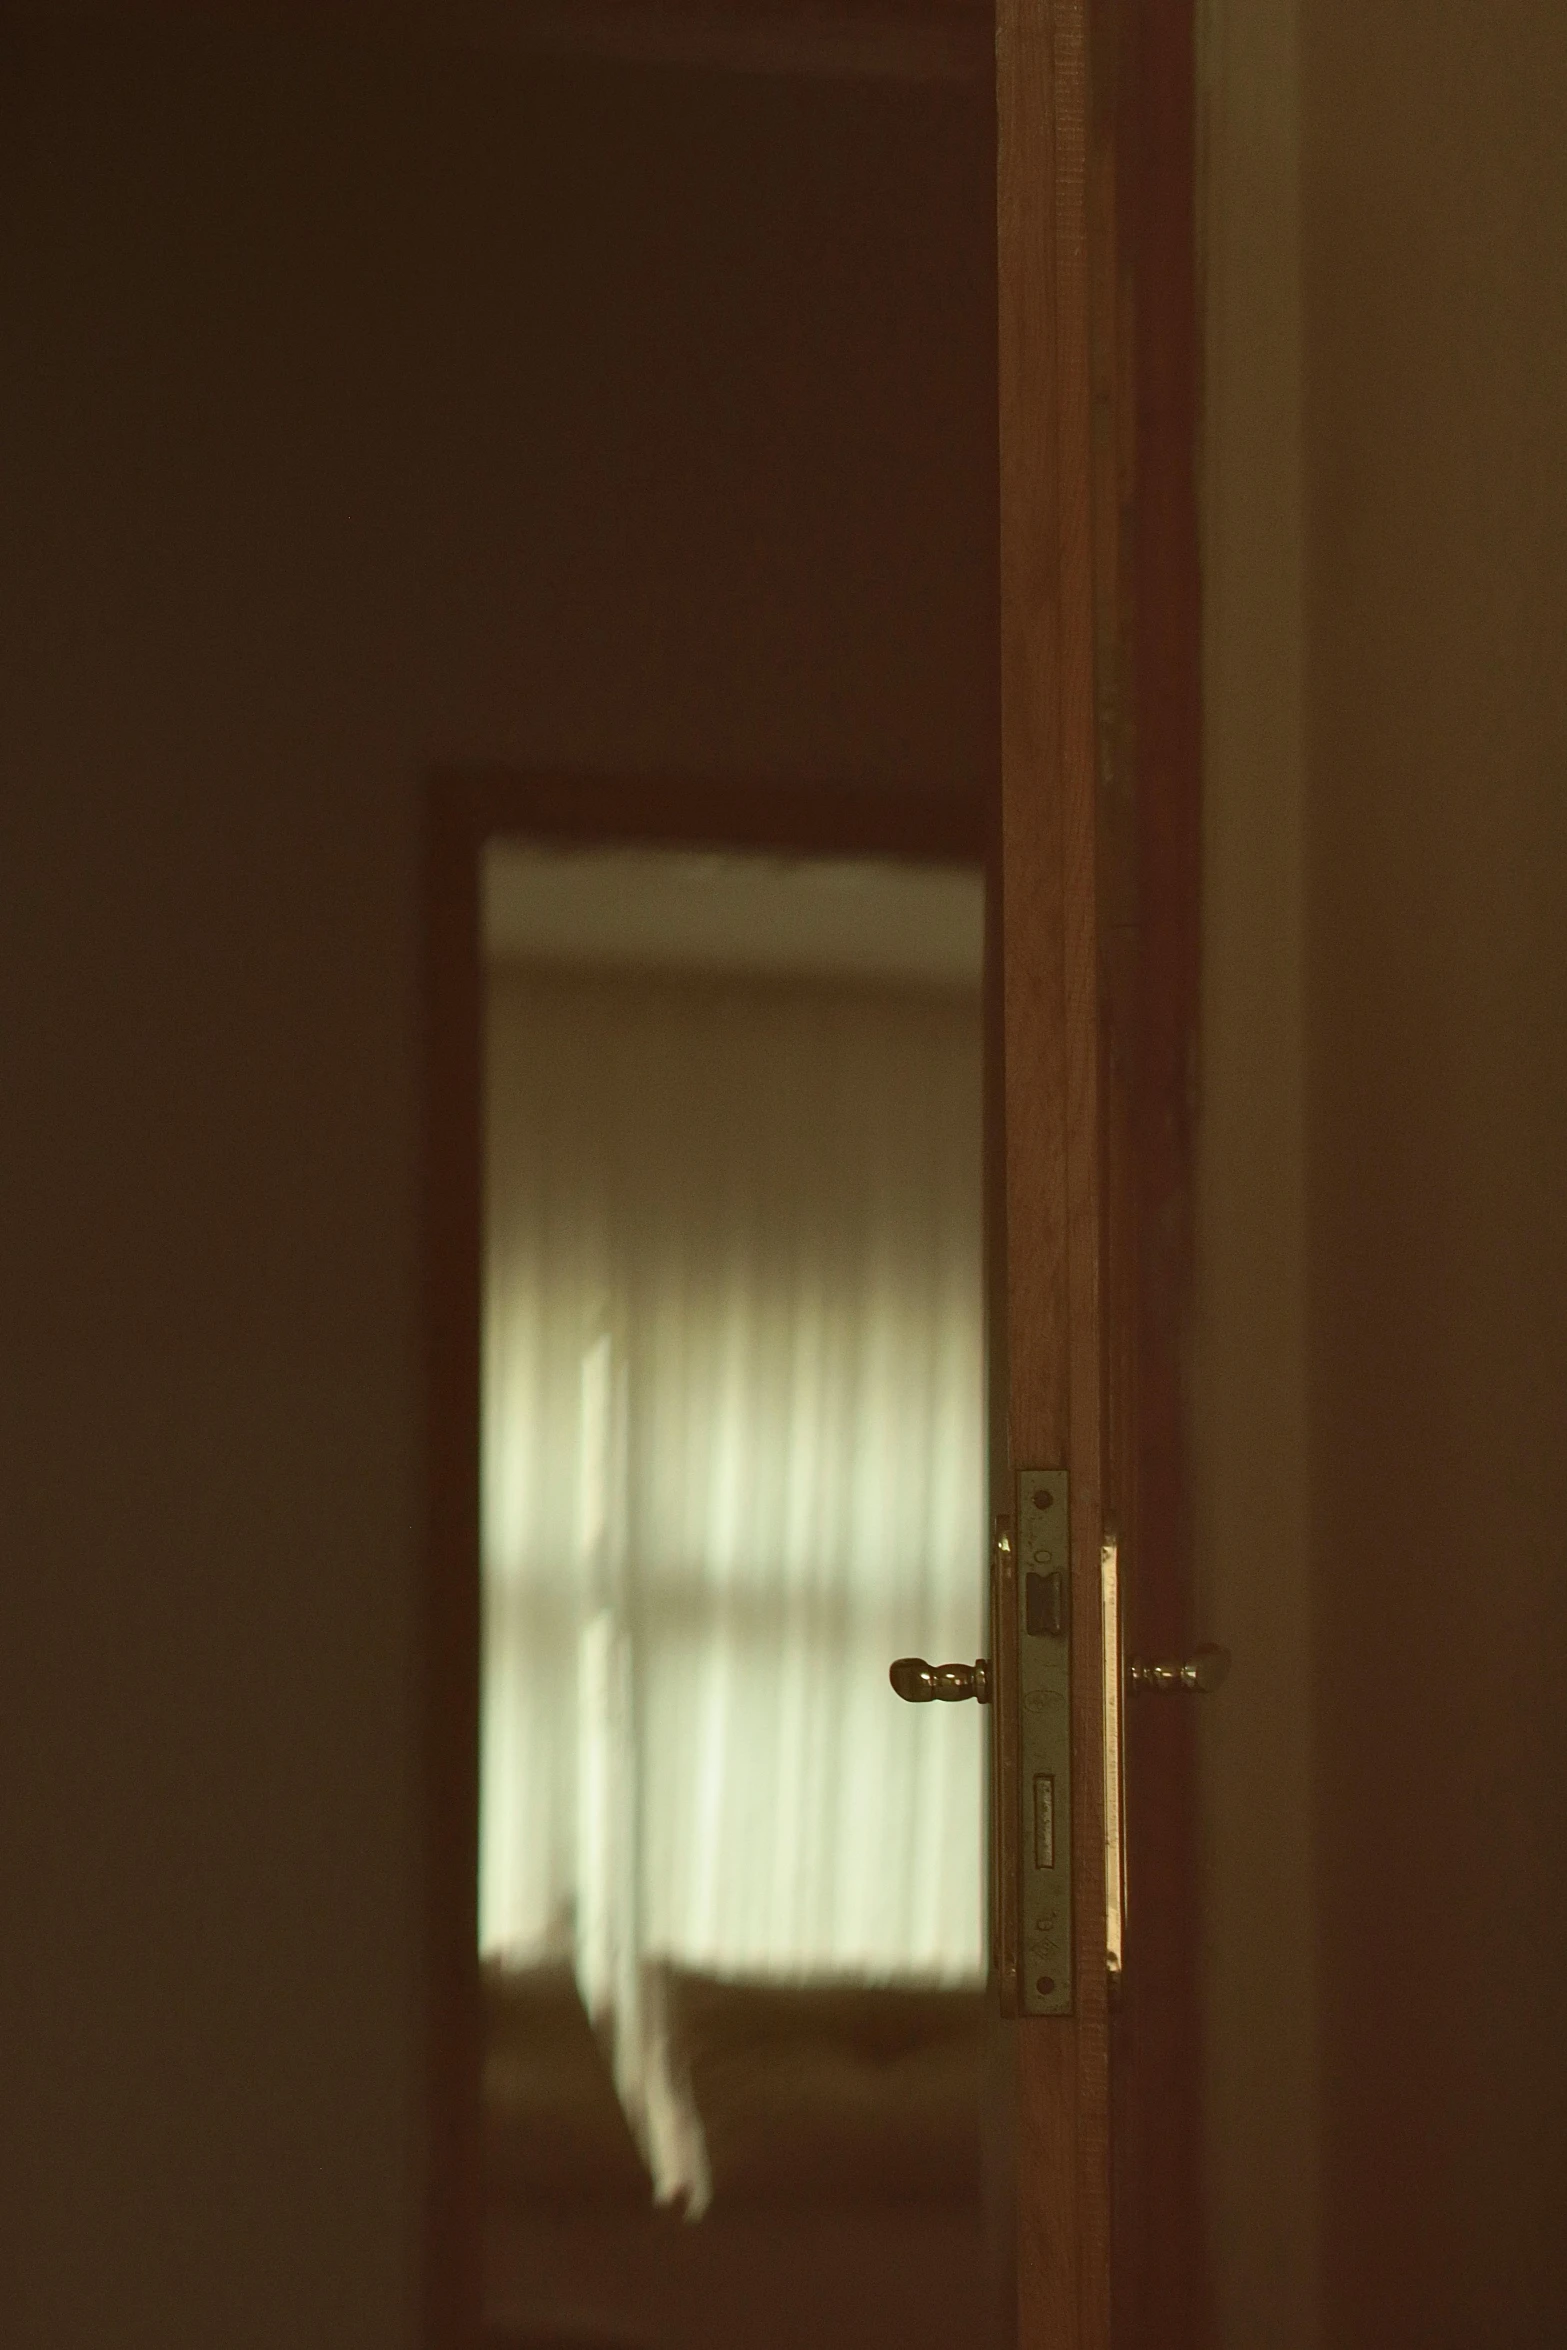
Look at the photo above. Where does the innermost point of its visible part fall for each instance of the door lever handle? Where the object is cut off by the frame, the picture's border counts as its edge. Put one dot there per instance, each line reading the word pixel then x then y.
pixel 1197 1675
pixel 917 1682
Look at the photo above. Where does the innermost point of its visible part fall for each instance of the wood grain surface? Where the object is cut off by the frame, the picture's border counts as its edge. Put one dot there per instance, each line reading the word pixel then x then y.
pixel 1050 919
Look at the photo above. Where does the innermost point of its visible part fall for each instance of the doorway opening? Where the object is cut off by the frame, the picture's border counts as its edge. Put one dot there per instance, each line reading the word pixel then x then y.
pixel 722 1994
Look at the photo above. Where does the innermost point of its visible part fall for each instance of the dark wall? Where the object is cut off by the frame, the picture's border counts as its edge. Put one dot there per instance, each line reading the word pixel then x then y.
pixel 359 408
pixel 1435 255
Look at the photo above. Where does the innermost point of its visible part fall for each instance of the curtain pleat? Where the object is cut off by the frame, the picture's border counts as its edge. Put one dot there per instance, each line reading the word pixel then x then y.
pixel 757 1207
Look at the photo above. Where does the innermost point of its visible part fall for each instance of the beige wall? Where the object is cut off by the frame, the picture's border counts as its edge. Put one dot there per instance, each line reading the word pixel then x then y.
pixel 1396 1585
pixel 355 410
pixel 1435 273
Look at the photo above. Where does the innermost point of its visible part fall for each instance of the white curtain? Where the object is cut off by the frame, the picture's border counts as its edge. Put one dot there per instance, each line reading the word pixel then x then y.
pixel 733 1464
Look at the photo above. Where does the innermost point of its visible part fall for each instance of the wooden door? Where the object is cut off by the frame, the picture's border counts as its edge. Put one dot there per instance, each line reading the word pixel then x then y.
pixel 1097 2120
pixel 1051 2072
pixel 1051 1082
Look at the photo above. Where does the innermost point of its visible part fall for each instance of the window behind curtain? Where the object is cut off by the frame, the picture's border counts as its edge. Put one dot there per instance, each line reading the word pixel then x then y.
pixel 734 1462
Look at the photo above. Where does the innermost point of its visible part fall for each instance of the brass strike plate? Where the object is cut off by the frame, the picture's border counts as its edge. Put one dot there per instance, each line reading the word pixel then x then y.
pixel 1043 1634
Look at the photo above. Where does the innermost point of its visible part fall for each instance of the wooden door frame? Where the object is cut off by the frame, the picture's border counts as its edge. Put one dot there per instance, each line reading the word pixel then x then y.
pixel 1143 746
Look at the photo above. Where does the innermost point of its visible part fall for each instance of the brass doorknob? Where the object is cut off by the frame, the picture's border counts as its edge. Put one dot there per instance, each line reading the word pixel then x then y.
pixel 1198 1674
pixel 917 1682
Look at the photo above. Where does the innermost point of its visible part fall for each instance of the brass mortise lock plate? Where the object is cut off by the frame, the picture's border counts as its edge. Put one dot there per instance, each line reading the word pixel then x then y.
pixel 1042 1597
